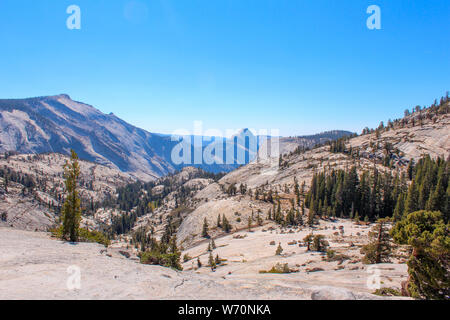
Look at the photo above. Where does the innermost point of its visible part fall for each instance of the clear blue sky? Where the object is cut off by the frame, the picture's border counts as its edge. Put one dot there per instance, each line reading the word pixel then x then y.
pixel 302 66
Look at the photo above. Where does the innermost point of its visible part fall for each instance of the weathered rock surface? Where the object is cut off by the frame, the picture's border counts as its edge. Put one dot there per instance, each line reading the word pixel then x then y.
pixel 33 266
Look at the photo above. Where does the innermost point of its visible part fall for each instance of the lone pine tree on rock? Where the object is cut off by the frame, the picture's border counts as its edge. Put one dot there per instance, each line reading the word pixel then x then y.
pixel 212 262
pixel 205 229
pixel 71 211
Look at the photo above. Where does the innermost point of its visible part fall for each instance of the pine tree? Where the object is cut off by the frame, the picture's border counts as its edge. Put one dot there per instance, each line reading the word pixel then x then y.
pixel 429 264
pixel 290 218
pixel 6 182
pixel 219 223
pixel 225 224
pixel 399 207
pixel 356 217
pixel 211 262
pixel 437 199
pixel 259 220
pixel 412 199
pixel 311 218
pixel 410 169
pixel 319 243
pixel 71 211
pixel 297 192
pixel 205 229
pixel 308 241
pixel 379 249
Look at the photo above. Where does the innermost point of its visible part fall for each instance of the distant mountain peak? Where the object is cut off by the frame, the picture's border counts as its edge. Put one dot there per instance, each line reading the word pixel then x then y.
pixel 64 96
pixel 244 132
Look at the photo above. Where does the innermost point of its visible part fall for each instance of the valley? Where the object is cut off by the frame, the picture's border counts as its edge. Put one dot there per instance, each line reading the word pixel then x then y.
pixel 279 229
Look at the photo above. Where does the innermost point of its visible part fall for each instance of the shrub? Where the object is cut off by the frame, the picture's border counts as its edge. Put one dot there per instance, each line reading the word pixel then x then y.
pixel 84 235
pixel 319 243
pixel 169 260
pixel 278 268
pixel 333 256
pixel 387 292
pixel 279 250
pixel 93 236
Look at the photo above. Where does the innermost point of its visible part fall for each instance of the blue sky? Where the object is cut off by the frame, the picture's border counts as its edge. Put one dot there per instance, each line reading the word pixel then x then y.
pixel 301 66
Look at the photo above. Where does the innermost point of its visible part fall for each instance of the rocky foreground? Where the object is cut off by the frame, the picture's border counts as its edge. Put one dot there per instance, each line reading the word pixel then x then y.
pixel 34 266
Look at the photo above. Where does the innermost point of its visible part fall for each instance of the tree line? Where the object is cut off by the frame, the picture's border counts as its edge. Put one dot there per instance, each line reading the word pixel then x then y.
pixel 374 194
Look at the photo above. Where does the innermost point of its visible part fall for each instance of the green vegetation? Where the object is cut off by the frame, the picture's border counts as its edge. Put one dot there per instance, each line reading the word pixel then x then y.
pixel 71 211
pixel 316 243
pixel 164 253
pixel 279 250
pixel 387 292
pixel 226 226
pixel 319 243
pixel 378 195
pixel 205 229
pixel 333 256
pixel 429 265
pixel 212 262
pixel 379 249
pixel 278 268
pixel 84 235
pixel 138 199
pixel 70 229
pixel 186 258
pixel 169 260
pixel 308 241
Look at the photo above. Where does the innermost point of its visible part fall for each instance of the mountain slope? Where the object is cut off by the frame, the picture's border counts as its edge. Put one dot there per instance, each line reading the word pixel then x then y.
pixel 409 138
pixel 32 189
pixel 56 124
